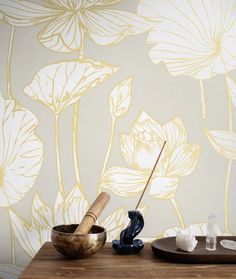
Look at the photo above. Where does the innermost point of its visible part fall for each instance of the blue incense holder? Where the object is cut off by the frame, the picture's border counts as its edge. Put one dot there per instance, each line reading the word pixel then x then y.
pixel 127 244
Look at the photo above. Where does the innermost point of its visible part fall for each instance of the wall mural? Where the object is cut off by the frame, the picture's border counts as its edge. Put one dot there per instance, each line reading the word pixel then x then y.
pixel 192 39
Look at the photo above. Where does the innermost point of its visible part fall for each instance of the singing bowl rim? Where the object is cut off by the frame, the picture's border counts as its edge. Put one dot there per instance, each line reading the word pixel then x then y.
pixel 100 229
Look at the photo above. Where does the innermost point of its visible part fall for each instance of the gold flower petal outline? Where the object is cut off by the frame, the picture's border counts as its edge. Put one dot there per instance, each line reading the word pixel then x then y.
pixel 232 89
pixel 62 34
pixel 24 13
pixel 61 84
pixel 224 142
pixel 21 152
pixel 75 206
pixel 127 148
pixel 104 31
pixel 32 235
pixel 183 160
pixel 114 223
pixel 120 98
pixel 147 10
pixel 70 21
pixel 42 217
pixel 58 210
pixel 27 236
pixel 163 187
pixel 193 40
pixel 141 147
pixel 123 181
pixel 175 132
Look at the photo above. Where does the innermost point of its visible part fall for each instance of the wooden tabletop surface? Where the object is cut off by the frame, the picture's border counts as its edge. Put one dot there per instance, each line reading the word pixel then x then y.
pixel 48 263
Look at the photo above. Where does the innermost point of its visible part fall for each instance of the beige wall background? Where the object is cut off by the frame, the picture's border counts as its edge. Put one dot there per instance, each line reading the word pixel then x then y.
pixel 89 92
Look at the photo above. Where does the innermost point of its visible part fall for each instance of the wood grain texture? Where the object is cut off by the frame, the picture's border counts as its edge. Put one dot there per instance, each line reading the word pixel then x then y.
pixel 48 263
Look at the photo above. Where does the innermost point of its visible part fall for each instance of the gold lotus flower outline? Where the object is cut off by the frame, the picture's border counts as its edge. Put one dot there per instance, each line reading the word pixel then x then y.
pixel 202 49
pixel 70 20
pixel 21 152
pixel 62 84
pixel 32 235
pixel 196 39
pixel 140 149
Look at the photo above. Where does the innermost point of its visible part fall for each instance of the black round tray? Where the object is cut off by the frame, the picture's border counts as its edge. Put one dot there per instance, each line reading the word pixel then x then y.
pixel 166 248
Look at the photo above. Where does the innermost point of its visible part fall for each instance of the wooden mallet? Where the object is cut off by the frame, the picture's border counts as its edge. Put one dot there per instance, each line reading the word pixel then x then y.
pixel 92 214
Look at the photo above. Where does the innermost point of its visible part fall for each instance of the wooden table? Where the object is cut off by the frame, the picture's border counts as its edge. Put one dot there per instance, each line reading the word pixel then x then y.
pixel 48 263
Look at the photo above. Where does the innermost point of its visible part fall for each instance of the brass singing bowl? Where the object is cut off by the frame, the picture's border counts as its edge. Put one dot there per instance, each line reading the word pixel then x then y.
pixel 77 246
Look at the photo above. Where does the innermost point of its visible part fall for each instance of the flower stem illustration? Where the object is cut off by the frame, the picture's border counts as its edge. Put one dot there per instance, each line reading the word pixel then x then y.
pixel 75 142
pixel 49 88
pixel 119 103
pixel 203 101
pixel 75 147
pixel 229 168
pixel 113 123
pixel 226 195
pixel 58 159
pixel 181 221
pixel 9 58
pixel 9 94
pixel 13 249
pixel 75 132
pixel 230 115
pixel 224 142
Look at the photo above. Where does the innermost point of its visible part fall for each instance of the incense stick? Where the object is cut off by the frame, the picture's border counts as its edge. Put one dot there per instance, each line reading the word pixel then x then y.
pixel 149 179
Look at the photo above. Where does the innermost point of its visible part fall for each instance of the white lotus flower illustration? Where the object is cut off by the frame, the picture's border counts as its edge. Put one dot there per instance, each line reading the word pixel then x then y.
pixel 32 235
pixel 224 142
pixel 21 152
pixel 140 149
pixel 193 38
pixel 69 21
pixel 61 84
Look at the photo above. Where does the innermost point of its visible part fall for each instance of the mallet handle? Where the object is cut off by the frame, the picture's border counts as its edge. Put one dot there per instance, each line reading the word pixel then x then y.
pixel 92 214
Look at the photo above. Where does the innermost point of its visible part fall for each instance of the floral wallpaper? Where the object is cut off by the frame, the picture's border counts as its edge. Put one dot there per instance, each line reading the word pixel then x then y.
pixel 90 90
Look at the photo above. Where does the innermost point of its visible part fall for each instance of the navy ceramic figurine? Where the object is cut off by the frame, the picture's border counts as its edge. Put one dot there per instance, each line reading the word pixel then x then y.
pixel 127 244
